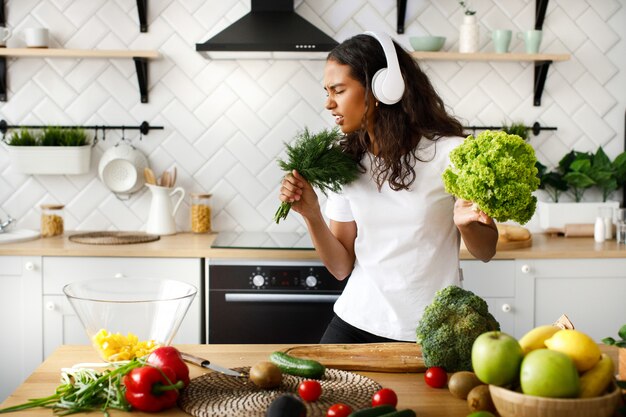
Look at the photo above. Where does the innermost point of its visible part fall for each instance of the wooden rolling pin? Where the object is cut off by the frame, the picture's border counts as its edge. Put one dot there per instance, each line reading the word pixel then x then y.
pixel 375 357
pixel 578 230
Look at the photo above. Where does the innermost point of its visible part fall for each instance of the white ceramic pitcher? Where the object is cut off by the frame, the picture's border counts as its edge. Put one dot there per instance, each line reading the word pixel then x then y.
pixel 161 217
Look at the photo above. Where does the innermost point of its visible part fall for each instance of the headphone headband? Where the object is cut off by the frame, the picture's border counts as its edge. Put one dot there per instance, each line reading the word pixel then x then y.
pixel 387 83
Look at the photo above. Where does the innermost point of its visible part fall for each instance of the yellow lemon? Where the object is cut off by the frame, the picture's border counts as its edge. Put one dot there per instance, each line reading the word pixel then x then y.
pixel 578 346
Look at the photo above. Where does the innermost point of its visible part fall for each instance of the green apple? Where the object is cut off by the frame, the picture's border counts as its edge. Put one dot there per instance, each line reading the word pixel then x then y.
pixel 496 358
pixel 548 373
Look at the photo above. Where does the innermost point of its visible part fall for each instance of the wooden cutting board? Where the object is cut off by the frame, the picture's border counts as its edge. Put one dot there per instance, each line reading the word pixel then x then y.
pixel 376 357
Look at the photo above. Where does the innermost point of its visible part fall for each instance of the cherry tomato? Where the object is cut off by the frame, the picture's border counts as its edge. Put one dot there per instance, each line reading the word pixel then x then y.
pixel 339 410
pixel 310 390
pixel 385 396
pixel 436 377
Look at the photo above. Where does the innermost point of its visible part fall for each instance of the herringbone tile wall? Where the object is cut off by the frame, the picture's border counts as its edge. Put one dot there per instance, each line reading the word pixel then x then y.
pixel 225 121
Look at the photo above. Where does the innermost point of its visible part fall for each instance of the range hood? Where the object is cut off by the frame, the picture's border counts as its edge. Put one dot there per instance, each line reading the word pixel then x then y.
pixel 272 30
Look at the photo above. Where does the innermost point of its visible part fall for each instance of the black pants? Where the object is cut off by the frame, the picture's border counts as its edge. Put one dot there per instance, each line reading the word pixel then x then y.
pixel 338 331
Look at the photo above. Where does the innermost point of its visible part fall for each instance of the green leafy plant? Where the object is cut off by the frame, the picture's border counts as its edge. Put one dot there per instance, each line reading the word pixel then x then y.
pixel 23 137
pixel 622 338
pixel 51 136
pixel 576 168
pixel 579 171
pixel 516 128
pixel 321 161
pixel 466 8
pixel 551 181
pixel 496 171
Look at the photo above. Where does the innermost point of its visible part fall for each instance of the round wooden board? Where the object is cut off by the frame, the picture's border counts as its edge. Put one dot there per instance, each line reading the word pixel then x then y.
pixel 113 238
pixel 218 395
pixel 514 244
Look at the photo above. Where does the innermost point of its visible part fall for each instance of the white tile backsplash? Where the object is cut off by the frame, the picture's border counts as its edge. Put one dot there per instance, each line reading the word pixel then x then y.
pixel 225 122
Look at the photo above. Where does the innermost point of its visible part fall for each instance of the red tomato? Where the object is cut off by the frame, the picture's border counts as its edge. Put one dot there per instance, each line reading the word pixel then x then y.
pixel 436 377
pixel 385 396
pixel 339 410
pixel 310 390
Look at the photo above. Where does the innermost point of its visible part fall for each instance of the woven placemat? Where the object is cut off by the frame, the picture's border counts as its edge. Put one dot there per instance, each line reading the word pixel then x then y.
pixel 113 238
pixel 218 395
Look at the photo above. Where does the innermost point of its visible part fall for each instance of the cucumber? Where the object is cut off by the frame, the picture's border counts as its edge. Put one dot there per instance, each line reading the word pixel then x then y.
pixel 401 413
pixel 291 365
pixel 379 410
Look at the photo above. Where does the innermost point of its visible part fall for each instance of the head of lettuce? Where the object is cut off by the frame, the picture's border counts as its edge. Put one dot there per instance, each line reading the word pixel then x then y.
pixel 497 172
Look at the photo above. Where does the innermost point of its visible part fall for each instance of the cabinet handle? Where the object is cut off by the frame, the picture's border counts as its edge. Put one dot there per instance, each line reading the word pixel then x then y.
pixel 50 306
pixel 525 269
pixel 118 275
pixel 506 308
pixel 29 266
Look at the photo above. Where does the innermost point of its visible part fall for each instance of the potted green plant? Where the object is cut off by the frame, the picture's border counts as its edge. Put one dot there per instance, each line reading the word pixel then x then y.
pixel 621 345
pixel 578 172
pixel 516 128
pixel 56 150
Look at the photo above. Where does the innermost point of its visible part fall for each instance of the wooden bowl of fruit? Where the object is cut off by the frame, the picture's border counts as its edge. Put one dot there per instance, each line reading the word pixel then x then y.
pixel 514 404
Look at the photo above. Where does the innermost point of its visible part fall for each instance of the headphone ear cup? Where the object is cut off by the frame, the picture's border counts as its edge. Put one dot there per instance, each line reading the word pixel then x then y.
pixel 377 85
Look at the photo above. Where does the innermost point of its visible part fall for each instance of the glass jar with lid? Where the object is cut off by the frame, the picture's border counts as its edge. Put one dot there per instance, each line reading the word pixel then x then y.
pixel 200 213
pixel 51 220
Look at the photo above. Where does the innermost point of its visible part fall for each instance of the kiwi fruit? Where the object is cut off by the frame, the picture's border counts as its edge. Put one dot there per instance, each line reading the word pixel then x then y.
pixel 462 382
pixel 266 375
pixel 479 399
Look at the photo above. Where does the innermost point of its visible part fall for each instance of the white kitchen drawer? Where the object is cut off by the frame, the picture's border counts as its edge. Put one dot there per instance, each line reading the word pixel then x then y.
pixel 490 279
pixel 11 265
pixel 59 271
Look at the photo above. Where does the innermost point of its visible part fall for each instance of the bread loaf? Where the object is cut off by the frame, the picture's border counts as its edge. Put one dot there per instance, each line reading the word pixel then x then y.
pixel 512 233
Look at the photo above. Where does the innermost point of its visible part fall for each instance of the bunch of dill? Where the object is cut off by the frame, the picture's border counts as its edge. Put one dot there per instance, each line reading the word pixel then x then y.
pixel 319 159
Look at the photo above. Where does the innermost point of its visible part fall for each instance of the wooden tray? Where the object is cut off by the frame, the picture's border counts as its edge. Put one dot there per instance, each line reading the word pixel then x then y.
pixel 376 357
pixel 218 395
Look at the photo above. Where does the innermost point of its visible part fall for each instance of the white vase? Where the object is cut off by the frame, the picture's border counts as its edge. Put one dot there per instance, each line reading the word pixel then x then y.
pixel 468 34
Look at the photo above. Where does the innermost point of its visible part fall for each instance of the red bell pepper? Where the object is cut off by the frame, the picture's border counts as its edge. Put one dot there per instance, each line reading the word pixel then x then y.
pixel 152 389
pixel 170 356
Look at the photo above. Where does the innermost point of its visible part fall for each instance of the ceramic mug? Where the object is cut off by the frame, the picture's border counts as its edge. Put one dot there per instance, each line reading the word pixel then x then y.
pixel 501 40
pixel 532 40
pixel 36 37
pixel 4 35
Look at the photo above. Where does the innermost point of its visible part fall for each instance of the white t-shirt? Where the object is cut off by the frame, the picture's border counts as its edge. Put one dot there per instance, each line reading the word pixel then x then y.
pixel 407 245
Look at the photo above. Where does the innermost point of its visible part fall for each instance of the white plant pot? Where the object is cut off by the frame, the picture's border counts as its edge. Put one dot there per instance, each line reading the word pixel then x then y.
pixel 557 215
pixel 50 160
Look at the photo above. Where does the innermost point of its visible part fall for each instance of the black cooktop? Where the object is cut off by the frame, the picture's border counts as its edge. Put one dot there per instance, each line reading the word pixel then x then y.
pixel 263 240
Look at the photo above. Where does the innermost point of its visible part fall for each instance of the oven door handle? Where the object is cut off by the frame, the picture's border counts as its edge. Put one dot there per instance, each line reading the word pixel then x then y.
pixel 280 298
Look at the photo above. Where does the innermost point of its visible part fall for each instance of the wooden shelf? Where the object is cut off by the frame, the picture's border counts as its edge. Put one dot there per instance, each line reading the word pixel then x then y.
pixel 76 53
pixel 489 56
pixel 140 57
pixel 542 63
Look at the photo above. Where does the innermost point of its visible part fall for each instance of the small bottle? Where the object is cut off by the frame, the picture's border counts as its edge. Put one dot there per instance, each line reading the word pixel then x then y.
pixel 51 220
pixel 200 213
pixel 599 229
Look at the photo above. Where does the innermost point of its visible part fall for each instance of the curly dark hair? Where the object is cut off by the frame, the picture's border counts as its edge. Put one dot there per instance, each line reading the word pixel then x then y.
pixel 399 127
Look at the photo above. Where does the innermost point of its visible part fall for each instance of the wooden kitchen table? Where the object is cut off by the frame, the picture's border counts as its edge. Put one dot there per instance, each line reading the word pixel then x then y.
pixel 412 391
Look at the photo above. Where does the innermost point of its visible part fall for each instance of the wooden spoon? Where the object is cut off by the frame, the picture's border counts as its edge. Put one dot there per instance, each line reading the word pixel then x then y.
pixel 165 179
pixel 173 177
pixel 149 176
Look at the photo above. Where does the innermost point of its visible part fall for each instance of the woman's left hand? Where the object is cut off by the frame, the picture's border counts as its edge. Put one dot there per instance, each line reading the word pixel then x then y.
pixel 466 212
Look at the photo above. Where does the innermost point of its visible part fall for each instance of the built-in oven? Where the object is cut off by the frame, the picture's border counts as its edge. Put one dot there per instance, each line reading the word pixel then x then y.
pixel 268 301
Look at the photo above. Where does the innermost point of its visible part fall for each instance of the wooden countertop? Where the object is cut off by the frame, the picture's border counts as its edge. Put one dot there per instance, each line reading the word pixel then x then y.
pixel 189 245
pixel 411 389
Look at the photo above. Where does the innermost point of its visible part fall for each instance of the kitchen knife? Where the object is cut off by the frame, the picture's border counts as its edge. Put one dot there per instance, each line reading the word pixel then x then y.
pixel 205 363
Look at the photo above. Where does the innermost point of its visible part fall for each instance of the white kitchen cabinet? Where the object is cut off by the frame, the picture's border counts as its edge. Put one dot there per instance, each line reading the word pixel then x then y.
pixel 20 317
pixel 61 325
pixel 589 291
pixel 495 282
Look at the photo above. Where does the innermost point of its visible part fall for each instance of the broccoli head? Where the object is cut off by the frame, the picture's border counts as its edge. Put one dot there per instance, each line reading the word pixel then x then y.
pixel 449 326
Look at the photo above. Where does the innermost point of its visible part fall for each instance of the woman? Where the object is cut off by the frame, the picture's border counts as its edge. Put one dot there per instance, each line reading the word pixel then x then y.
pixel 394 231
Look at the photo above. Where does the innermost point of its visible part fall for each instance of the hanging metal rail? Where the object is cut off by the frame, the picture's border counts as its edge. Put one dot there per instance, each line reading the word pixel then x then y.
pixel 143 128
pixel 535 128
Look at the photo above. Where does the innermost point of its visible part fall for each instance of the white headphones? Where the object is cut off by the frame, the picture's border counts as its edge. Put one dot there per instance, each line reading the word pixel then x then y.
pixel 387 83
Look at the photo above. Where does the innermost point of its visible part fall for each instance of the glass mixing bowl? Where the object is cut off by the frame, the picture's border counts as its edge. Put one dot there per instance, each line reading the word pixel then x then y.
pixel 129 317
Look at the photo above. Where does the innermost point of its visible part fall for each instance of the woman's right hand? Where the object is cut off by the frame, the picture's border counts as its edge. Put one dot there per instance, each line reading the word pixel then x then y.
pixel 297 191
